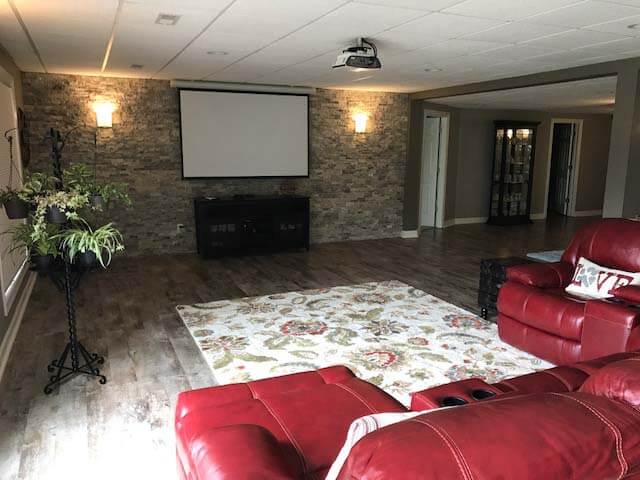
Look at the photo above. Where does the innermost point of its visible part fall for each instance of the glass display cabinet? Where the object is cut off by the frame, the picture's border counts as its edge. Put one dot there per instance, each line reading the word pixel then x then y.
pixel 514 153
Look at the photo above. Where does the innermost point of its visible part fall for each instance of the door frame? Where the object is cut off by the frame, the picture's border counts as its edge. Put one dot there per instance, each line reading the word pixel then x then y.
pixel 573 181
pixel 443 158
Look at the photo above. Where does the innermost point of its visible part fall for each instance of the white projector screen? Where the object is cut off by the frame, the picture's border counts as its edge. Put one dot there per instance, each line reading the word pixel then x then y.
pixel 229 134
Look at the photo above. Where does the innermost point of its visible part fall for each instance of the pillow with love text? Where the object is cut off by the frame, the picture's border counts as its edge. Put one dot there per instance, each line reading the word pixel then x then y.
pixel 590 280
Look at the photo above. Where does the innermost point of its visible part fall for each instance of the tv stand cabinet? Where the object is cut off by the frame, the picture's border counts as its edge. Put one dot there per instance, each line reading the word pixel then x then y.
pixel 247 224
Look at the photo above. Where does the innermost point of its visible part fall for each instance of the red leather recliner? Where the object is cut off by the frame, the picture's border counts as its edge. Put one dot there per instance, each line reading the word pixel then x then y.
pixel 292 427
pixel 536 315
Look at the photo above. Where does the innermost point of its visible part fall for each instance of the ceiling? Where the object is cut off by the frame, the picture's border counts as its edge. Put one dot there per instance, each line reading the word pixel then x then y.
pixel 596 95
pixel 295 42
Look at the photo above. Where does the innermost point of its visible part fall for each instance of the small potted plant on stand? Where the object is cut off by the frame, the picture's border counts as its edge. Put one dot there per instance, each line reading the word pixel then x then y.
pixel 84 245
pixel 79 179
pixel 41 245
pixel 60 207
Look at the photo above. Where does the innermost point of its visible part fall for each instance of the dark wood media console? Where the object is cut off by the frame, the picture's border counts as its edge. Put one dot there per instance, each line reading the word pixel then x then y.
pixel 247 224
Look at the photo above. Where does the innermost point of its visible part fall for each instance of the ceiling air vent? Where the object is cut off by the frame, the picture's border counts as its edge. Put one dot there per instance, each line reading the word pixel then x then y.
pixel 167 19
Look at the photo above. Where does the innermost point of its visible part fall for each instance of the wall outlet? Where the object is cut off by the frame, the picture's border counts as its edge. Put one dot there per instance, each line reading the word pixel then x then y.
pixel 180 228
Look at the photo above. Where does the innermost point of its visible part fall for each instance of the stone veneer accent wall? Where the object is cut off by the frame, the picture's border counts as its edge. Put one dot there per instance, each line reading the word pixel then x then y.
pixel 355 182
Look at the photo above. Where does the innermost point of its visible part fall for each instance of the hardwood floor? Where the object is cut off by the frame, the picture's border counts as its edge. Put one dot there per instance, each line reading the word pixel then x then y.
pixel 124 429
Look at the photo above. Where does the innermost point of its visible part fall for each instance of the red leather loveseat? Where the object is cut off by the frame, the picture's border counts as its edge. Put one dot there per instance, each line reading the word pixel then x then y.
pixel 536 315
pixel 530 427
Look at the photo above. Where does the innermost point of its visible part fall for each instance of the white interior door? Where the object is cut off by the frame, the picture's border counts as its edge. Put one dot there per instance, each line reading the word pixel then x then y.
pixel 430 171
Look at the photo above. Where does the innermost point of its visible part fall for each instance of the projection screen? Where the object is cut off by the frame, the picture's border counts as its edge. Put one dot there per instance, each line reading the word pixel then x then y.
pixel 229 134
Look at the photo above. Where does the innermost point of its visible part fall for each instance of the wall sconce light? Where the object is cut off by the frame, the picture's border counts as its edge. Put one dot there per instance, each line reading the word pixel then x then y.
pixel 361 122
pixel 104 113
pixel 509 134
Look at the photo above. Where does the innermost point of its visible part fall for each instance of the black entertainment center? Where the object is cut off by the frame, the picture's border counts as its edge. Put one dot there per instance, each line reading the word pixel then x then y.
pixel 251 224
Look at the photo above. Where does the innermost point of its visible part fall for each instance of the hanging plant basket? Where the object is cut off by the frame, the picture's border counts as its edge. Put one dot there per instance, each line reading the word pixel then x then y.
pixel 42 262
pixel 97 201
pixel 55 215
pixel 86 259
pixel 16 208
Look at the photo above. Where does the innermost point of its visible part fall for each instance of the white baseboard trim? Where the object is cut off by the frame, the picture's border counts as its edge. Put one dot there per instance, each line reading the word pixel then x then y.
pixel 470 220
pixel 538 216
pixel 587 213
pixel 464 221
pixel 12 331
pixel 409 234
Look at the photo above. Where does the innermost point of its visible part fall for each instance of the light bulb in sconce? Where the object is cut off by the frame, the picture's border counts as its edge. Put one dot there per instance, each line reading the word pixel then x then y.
pixel 104 113
pixel 361 122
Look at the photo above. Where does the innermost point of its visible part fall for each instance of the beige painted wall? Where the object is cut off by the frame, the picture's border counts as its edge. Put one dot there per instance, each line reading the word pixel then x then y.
pixel 470 161
pixel 475 151
pixel 7 63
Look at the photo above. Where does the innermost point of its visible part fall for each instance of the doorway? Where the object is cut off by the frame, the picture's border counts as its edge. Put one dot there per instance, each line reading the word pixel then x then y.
pixel 433 170
pixel 563 166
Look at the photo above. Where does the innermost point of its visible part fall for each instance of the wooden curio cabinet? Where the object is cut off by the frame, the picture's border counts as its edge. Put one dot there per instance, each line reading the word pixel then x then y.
pixel 513 159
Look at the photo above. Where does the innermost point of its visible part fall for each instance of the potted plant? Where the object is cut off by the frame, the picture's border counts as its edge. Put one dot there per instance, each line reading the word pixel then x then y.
pixel 84 245
pixel 37 185
pixel 61 206
pixel 41 245
pixel 14 205
pixel 78 178
pixel 110 192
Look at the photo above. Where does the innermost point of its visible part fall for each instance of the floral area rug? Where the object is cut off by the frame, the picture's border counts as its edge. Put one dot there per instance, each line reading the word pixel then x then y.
pixel 389 333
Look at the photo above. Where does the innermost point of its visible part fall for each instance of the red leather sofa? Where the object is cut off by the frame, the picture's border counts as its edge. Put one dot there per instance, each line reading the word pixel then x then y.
pixel 536 315
pixel 580 421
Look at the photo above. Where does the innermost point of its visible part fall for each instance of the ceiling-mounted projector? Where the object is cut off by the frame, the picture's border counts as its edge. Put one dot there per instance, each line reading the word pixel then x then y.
pixel 363 55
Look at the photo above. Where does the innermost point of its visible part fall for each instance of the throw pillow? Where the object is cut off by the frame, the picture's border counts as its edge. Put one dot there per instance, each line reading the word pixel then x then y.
pixel 590 280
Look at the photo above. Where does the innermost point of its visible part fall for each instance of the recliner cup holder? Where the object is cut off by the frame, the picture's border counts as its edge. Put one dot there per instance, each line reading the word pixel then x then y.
pixel 452 402
pixel 481 394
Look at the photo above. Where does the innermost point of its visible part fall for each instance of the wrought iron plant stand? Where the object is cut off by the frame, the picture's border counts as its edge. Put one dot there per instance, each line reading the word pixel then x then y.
pixel 75 358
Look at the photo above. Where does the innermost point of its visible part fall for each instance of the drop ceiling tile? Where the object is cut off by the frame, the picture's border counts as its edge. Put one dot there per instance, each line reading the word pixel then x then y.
pixel 403 41
pixel 213 40
pixel 585 13
pixel 290 10
pixel 431 5
pixel 139 40
pixel 573 39
pixel 630 3
pixel 612 48
pixel 355 20
pixel 514 52
pixel 516 32
pixel 81 16
pixel 15 41
pixel 195 64
pixel 506 9
pixel 268 28
pixel 445 26
pixel 169 6
pixel 23 55
pixel 458 47
pixel 563 59
pixel 619 27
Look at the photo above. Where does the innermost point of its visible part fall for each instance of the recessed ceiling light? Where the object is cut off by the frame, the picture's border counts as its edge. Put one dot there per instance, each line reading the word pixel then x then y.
pixel 136 66
pixel 434 69
pixel 167 19
pixel 634 26
pixel 217 52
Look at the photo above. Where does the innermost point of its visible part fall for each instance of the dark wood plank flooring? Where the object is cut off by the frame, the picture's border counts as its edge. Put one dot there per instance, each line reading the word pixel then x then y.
pixel 124 428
